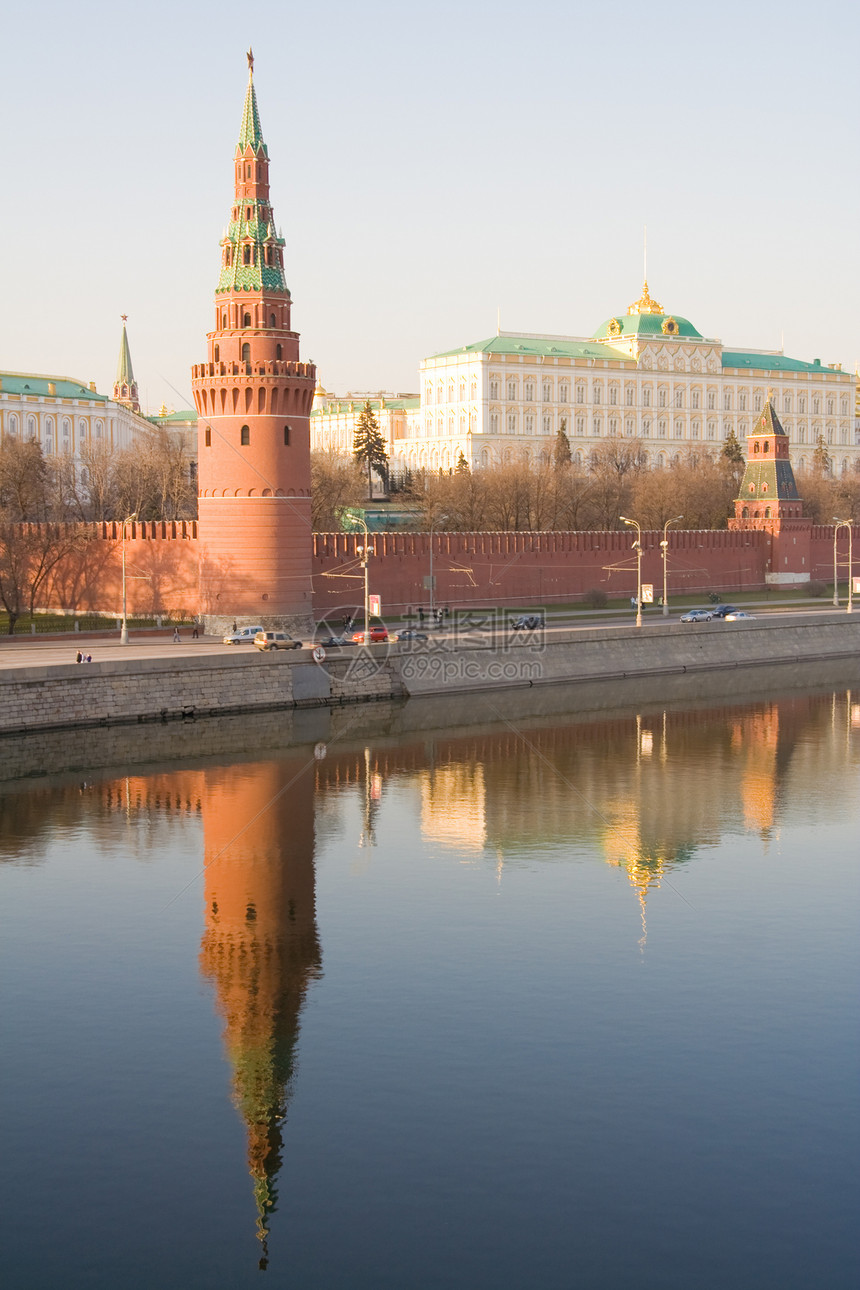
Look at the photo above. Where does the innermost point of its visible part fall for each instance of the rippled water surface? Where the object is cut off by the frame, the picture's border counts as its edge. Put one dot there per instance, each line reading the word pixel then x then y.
pixel 368 1001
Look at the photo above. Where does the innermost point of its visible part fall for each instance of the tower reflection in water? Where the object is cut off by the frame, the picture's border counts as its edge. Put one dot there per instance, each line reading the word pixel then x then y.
pixel 260 947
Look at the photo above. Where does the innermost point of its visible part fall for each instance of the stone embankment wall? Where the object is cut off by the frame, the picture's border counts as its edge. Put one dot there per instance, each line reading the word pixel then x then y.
pixel 118 692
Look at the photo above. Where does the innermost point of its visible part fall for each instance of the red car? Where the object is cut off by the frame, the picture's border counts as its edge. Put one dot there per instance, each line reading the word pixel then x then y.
pixel 376 634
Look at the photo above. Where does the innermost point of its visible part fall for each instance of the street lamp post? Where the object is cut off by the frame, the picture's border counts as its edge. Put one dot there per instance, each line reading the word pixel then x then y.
pixel 366 552
pixel 665 548
pixel 123 635
pixel 637 547
pixel 440 519
pixel 837 525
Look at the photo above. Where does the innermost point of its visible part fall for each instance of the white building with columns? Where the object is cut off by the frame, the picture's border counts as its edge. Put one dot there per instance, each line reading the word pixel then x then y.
pixel 646 375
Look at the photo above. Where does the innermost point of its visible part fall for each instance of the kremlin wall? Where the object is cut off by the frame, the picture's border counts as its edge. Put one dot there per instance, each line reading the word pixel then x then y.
pixel 471 569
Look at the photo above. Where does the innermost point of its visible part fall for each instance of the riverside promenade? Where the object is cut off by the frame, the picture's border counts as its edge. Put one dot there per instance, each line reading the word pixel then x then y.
pixel 154 679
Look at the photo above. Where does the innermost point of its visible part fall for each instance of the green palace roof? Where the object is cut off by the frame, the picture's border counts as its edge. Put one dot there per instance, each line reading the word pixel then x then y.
pixel 546 346
pixel 355 405
pixel 183 417
pixel 647 324
pixel 770 362
pixel 49 387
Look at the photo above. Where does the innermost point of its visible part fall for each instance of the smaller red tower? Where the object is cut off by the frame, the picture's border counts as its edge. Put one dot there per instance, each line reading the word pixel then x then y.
pixel 768 501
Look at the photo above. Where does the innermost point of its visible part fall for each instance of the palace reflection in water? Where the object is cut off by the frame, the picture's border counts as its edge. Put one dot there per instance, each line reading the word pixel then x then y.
pixel 645 793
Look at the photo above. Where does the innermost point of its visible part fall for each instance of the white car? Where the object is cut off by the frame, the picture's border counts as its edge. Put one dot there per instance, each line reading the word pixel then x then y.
pixel 242 636
pixel 739 615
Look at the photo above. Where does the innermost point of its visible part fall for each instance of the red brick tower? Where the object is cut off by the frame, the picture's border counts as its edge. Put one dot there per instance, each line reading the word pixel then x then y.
pixel 253 398
pixel 769 501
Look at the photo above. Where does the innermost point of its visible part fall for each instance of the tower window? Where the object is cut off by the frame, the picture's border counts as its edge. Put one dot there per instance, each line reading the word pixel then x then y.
pixel 217 353
pixel 246 353
pixel 277 351
pixel 208 438
pixel 246 255
pixel 245 434
pixel 271 320
pixel 286 436
pixel 246 320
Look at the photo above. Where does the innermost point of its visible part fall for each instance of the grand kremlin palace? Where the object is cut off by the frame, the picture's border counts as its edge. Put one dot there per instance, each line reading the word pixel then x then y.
pixel 644 374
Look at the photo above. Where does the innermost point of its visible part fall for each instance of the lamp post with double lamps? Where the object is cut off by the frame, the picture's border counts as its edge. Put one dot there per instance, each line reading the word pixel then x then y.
pixel 637 547
pixel 365 552
pixel 665 548
pixel 837 525
pixel 123 635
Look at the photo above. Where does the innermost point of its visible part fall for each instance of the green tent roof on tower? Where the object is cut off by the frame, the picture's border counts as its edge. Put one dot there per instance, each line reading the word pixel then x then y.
pixel 124 373
pixel 251 133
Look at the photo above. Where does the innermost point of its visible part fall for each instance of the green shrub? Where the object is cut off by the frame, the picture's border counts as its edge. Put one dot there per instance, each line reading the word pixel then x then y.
pixel 596 599
pixel 816 588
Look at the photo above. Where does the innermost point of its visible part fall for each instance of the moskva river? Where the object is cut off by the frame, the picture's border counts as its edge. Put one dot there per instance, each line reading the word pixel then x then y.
pixel 481 995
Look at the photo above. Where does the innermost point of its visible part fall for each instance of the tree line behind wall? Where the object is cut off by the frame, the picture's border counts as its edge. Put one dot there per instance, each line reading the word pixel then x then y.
pixel 561 496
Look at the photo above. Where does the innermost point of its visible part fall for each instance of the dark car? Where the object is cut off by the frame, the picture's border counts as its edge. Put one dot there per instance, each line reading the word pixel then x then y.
pixel 332 642
pixel 410 634
pixel 527 623
pixel 723 611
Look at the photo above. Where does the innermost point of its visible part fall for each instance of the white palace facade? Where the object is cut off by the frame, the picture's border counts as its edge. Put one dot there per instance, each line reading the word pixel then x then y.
pixel 646 375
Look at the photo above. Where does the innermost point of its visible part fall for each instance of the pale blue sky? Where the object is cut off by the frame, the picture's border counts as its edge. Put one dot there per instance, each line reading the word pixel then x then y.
pixel 430 163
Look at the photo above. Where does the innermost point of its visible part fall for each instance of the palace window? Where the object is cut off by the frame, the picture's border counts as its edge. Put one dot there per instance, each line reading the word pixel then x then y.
pixel 646 428
pixel 629 394
pixel 727 400
pixel 451 391
pixel 512 423
pixel 245 436
pixel 580 425
pixel 679 430
pixel 696 427
pixel 712 400
pixel 830 407
pixel 31 427
pixel 646 398
pixel 563 392
pixel 786 403
pixel 816 405
pixel 679 398
pixel 494 387
pixel 595 426
pixel 547 391
pixel 547 425
pixel 843 408
pixel 67 425
pixel 613 426
pixel 613 396
pixel 529 391
pixel 742 401
pixel 494 423
pixel 661 430
pixel 580 393
pixel 694 400
pixel 628 426
pixel 474 389
pixel 595 395
pixel 462 390
pixel 529 423
pixel 512 391
pixel 661 398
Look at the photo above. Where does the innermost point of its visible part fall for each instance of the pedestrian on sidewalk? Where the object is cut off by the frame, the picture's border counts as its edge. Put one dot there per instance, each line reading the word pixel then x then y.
pixel 176 637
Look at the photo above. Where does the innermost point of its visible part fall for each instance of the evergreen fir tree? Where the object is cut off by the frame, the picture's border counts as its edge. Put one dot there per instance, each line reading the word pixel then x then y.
pixel 732 451
pixel 821 459
pixel 561 451
pixel 368 445
pixel 462 464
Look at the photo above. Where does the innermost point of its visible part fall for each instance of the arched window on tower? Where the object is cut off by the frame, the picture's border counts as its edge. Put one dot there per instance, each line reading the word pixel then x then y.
pixel 286 436
pixel 246 320
pixel 272 322
pixel 246 353
pixel 246 255
pixel 278 351
pixel 245 436
pixel 217 353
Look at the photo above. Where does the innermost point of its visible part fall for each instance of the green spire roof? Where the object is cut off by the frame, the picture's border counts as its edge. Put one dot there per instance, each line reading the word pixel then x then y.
pixel 124 373
pixel 251 131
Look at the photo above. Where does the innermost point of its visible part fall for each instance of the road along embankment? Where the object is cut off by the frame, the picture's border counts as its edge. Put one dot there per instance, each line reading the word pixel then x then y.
pixel 124 691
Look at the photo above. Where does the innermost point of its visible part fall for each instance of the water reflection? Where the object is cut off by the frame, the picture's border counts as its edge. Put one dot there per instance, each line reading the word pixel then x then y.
pixel 260 948
pixel 643 792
